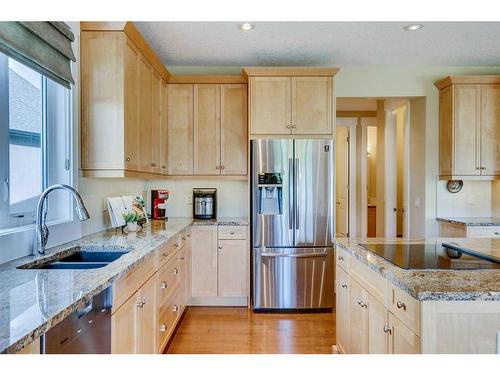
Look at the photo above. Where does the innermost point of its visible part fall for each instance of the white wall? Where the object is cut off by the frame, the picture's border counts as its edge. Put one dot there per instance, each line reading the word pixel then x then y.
pixel 232 196
pixel 474 200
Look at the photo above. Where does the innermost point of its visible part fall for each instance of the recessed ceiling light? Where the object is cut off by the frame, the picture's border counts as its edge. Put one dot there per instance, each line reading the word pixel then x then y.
pixel 246 26
pixel 413 27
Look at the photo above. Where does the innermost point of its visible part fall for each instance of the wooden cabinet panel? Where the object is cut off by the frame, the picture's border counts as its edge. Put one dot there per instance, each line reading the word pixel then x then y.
pixel 270 105
pixel 206 145
pixel 124 328
pixel 406 308
pixel 342 310
pixel 490 129
pixel 233 129
pixel 467 118
pixel 446 131
pixel 358 319
pixel 132 145
pixel 164 130
pixel 156 136
pixel 378 324
pixel 232 268
pixel 145 116
pixel 204 261
pixel 402 341
pixel 180 129
pixel 312 105
pixel 146 325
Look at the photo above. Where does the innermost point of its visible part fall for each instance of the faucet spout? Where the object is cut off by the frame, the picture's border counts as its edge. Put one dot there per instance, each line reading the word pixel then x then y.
pixel 41 230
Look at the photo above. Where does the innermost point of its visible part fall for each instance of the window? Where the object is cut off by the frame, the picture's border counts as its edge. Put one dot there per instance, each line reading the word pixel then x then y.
pixel 34 143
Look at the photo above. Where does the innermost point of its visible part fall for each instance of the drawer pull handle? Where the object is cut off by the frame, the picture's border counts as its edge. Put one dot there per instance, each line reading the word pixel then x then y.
pixel 401 305
pixel 388 330
pixel 176 271
pixel 164 285
pixel 343 286
pixel 341 258
pixel 163 327
pixel 231 233
pixel 175 308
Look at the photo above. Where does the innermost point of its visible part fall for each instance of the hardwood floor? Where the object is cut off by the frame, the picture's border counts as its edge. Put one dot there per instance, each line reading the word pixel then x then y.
pixel 237 330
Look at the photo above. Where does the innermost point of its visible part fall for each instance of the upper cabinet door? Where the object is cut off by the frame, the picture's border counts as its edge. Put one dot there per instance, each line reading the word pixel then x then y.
pixel 132 146
pixel 145 114
pixel 446 131
pixel 156 138
pixel 467 119
pixel 206 145
pixel 270 105
pixel 490 130
pixel 233 129
pixel 180 129
pixel 312 105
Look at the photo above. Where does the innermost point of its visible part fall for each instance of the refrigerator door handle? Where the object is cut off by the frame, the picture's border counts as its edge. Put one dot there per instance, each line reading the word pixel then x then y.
pixel 296 193
pixel 279 255
pixel 290 193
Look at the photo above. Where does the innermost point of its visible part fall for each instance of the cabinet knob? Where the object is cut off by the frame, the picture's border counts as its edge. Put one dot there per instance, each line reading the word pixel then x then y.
pixel 184 238
pixel 341 257
pixel 163 327
pixel 343 285
pixel 217 167
pixel 163 167
pixel 153 164
pixel 165 255
pixel 388 330
pixel 293 126
pixel 231 233
pixel 175 308
pixel 362 304
pixel 127 159
pixel 141 303
pixel 222 167
pixel 401 305
pixel 176 271
pixel 288 126
pixel 177 244
pixel 164 285
pixel 219 247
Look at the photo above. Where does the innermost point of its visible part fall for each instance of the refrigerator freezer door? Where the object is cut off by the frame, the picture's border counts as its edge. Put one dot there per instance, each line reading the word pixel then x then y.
pixel 272 221
pixel 293 278
pixel 314 171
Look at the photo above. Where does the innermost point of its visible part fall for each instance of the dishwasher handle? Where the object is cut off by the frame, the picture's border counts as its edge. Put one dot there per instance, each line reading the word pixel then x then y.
pixel 281 255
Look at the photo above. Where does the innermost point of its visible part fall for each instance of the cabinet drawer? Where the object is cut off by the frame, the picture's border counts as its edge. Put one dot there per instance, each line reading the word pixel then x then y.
pixel 167 251
pixel 232 232
pixel 483 231
pixel 168 314
pixel 343 258
pixel 375 284
pixel 167 279
pixel 132 281
pixel 405 308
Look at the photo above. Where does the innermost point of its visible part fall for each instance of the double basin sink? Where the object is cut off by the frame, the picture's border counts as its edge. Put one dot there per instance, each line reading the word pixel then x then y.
pixel 77 259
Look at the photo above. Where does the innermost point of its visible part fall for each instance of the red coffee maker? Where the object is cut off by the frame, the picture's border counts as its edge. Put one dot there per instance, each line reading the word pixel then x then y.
pixel 159 204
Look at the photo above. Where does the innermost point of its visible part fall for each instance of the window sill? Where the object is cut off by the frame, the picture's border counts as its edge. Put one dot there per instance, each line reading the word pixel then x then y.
pixel 30 227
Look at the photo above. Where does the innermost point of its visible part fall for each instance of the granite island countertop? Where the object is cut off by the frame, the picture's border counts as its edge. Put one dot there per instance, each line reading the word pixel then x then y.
pixel 471 221
pixel 435 285
pixel 34 300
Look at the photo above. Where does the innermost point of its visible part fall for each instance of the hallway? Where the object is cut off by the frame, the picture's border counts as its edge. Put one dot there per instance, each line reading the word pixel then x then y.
pixel 237 330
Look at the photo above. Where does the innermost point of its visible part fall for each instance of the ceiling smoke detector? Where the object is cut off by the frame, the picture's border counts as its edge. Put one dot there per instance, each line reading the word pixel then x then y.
pixel 413 27
pixel 246 26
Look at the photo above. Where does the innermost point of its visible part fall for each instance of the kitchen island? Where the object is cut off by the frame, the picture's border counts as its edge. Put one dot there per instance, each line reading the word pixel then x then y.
pixel 383 308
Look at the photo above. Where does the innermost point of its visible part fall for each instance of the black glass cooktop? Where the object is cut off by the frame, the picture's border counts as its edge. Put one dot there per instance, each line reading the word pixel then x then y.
pixel 429 256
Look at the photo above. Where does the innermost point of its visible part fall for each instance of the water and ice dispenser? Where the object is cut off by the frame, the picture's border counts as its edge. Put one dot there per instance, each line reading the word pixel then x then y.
pixel 270 194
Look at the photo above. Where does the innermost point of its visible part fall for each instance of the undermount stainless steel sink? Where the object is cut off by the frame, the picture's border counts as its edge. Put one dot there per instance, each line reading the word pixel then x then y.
pixel 77 260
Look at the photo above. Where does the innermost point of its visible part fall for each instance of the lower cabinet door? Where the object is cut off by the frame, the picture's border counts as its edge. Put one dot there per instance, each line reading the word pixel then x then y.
pixel 232 268
pixel 204 261
pixel 342 310
pixel 378 327
pixel 124 327
pixel 146 340
pixel 403 341
pixel 358 343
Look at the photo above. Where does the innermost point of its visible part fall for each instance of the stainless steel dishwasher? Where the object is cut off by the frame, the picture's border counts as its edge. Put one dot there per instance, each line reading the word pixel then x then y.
pixel 86 331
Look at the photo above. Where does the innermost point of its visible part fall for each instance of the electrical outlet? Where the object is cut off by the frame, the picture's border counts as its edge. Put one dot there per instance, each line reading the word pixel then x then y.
pixel 189 199
pixel 472 199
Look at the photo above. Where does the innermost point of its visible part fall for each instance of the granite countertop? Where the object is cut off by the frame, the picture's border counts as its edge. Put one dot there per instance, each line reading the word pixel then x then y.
pixel 435 285
pixel 471 221
pixel 33 300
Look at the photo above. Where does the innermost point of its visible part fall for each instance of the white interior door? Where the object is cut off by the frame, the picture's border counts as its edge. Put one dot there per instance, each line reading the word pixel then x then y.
pixel 342 181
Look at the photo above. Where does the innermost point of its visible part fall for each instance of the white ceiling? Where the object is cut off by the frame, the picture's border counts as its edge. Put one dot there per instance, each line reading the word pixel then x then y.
pixel 324 43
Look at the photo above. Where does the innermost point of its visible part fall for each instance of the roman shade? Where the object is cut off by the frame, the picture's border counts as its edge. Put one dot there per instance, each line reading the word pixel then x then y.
pixel 43 46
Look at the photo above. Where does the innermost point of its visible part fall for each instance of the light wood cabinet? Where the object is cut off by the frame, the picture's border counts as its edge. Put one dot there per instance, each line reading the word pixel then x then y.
pixel 402 339
pixel 232 268
pixel 358 311
pixel 204 261
pixel 342 310
pixel 469 115
pixel 207 129
pixel 146 341
pixel 291 101
pixel 120 104
pixel 378 327
pixel 206 145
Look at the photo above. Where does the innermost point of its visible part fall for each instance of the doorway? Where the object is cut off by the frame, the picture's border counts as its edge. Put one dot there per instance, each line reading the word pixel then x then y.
pixel 371 171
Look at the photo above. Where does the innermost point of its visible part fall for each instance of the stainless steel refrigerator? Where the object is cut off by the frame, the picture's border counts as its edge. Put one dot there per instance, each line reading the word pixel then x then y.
pixel 292 205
